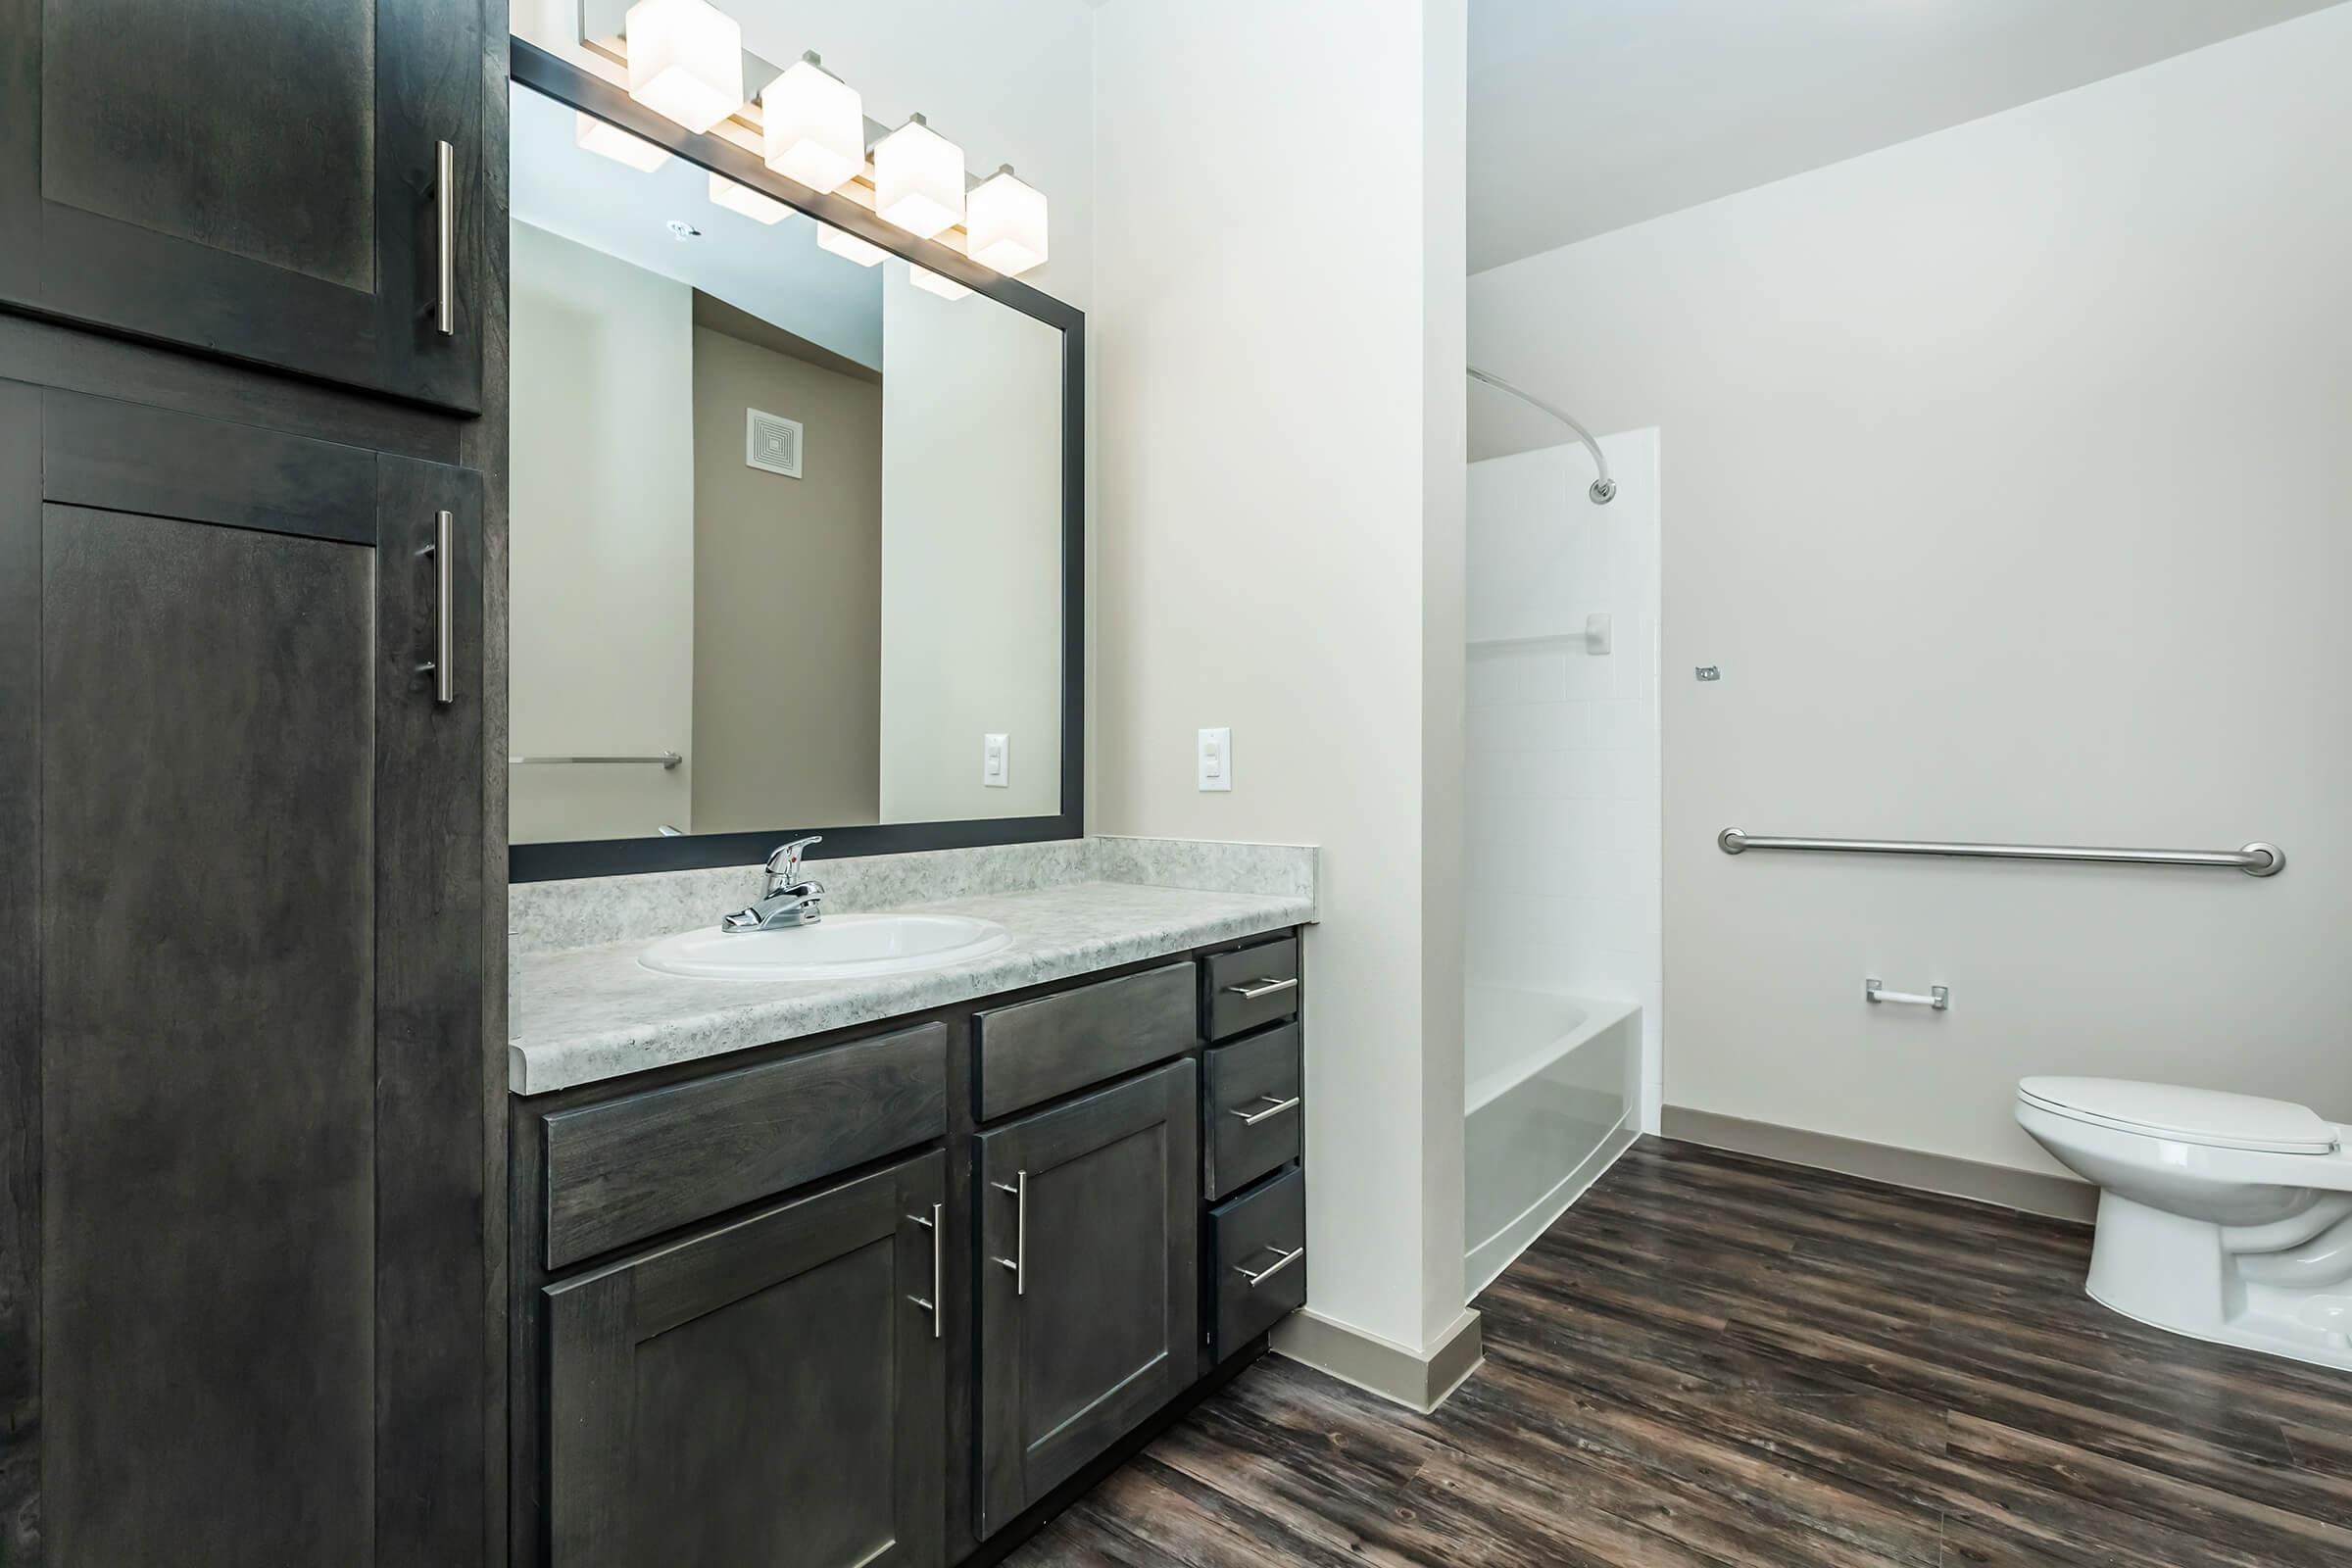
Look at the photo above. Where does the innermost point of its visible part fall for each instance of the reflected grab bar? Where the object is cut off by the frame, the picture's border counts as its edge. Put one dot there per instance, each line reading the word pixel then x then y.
pixel 2255 859
pixel 668 759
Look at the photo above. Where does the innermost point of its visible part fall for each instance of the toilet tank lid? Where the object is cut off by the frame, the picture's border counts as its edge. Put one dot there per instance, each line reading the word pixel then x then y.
pixel 2188 1115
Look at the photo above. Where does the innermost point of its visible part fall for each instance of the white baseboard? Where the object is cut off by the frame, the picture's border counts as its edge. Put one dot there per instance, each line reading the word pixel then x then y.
pixel 1410 1377
pixel 2060 1196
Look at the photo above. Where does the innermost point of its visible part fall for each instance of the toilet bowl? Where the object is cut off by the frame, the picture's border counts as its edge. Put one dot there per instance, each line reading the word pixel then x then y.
pixel 2221 1216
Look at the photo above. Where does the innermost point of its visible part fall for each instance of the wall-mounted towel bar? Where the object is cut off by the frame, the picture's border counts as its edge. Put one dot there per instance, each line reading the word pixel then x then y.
pixel 2255 859
pixel 1938 998
pixel 666 759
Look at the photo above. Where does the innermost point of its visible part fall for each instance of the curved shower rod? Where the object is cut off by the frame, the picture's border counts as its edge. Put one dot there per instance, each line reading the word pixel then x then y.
pixel 1603 489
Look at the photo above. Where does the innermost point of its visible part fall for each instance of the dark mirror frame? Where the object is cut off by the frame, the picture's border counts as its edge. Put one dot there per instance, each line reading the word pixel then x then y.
pixel 544 73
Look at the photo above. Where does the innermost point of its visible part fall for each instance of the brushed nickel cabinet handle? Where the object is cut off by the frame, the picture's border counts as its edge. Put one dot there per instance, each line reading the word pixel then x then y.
pixel 445 249
pixel 1253 1118
pixel 1018 1263
pixel 1273 1268
pixel 938 1264
pixel 1252 990
pixel 443 665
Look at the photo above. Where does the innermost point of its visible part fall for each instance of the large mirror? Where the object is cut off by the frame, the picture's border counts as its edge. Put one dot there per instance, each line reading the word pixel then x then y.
pixel 790 526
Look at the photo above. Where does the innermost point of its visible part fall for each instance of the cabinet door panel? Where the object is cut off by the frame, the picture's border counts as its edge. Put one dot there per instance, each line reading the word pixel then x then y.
pixel 770 1390
pixel 208 1058
pixel 1096 1330
pixel 252 177
pixel 168 159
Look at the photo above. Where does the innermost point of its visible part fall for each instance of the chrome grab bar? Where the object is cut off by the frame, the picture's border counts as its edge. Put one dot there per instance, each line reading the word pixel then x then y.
pixel 668 759
pixel 1939 997
pixel 1252 990
pixel 2255 859
pixel 1262 1275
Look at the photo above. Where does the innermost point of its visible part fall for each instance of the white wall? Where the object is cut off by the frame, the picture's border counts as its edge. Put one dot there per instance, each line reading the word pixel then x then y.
pixel 1280 550
pixel 2009 476
pixel 1563 861
pixel 971 555
pixel 601 635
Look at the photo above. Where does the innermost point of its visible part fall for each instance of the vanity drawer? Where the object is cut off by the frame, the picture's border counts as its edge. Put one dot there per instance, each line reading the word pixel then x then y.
pixel 1033 1050
pixel 1257 1261
pixel 642 1165
pixel 1252 986
pixel 1251 1110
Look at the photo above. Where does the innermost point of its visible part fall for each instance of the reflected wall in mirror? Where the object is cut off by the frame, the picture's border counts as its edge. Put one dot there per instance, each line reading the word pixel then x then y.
pixel 787 529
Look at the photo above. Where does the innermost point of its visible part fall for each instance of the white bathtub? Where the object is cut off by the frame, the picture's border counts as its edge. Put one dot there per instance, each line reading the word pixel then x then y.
pixel 1552 1100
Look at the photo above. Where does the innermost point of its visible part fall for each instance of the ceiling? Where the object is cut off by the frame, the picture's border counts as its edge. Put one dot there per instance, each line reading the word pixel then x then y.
pixel 1589 115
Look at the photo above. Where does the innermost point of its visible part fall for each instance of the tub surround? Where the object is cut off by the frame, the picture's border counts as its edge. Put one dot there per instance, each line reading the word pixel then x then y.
pixel 1553 1097
pixel 591 1011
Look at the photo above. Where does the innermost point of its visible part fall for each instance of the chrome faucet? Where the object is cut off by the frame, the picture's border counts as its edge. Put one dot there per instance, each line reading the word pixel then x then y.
pixel 790 899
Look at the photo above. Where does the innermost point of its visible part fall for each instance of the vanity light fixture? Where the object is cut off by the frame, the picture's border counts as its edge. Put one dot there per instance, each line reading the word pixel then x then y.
pixel 930 283
pixel 842 243
pixel 685 61
pixel 611 141
pixel 918 179
pixel 736 198
pixel 814 125
pixel 1004 224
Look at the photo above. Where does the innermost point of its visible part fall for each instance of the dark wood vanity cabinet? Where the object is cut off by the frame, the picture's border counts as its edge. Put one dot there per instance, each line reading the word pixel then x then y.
pixel 286 182
pixel 892 1293
pixel 1087 1298
pixel 242 1098
pixel 770 1390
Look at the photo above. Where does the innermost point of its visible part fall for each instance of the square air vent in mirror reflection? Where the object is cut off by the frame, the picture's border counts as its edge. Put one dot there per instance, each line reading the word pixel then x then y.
pixel 771 443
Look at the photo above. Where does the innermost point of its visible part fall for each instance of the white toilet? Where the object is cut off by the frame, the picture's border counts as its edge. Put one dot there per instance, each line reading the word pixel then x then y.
pixel 2222 1216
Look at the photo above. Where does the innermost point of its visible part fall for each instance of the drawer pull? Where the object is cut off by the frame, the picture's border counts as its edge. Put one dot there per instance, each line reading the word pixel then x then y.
pixel 1273 1268
pixel 1252 990
pixel 1251 1118
pixel 1018 1263
pixel 938 1264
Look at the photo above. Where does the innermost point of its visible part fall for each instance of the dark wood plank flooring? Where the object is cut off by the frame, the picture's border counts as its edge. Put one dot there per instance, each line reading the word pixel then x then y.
pixel 1714 1359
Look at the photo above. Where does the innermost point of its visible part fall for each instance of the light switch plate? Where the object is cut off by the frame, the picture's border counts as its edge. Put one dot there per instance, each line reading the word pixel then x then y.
pixel 996 761
pixel 1216 759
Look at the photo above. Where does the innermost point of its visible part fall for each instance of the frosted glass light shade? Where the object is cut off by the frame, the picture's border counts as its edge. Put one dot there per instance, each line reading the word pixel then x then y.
pixel 930 283
pixel 611 141
pixel 1004 224
pixel 685 61
pixel 815 127
pixel 736 198
pixel 841 243
pixel 918 179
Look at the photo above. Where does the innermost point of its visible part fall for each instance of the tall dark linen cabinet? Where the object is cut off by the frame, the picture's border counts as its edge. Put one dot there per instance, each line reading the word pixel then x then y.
pixel 252 856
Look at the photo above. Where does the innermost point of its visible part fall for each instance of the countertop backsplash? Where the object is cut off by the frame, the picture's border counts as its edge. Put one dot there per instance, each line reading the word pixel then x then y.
pixel 588 912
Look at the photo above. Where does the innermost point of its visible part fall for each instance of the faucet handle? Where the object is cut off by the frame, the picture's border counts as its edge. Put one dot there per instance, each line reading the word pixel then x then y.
pixel 785 864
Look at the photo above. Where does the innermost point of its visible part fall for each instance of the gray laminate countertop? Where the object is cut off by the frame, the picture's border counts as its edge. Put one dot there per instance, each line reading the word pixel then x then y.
pixel 596 1013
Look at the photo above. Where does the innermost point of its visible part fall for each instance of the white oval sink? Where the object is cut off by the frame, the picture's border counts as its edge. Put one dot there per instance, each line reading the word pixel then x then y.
pixel 840 947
